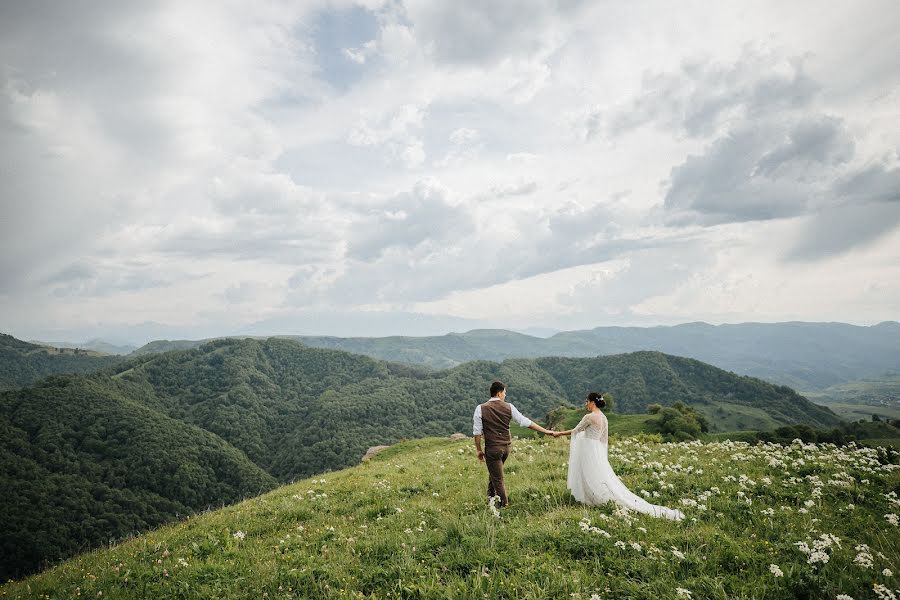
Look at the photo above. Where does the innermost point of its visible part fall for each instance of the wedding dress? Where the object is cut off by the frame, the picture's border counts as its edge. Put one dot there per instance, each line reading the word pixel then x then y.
pixel 591 478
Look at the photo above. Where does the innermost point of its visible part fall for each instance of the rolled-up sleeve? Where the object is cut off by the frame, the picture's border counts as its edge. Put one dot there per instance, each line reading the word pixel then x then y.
pixel 477 428
pixel 519 417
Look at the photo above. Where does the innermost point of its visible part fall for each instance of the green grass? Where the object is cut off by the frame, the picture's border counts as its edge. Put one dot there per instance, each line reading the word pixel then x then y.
pixel 413 523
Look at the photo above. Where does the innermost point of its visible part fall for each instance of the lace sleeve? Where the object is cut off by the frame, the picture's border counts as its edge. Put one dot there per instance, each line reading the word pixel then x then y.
pixel 583 424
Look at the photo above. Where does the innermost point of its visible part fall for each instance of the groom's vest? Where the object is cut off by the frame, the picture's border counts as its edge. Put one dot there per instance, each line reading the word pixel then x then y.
pixel 495 418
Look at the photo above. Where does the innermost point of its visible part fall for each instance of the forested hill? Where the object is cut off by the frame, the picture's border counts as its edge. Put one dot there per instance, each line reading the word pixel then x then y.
pixel 806 356
pixel 161 434
pixel 23 363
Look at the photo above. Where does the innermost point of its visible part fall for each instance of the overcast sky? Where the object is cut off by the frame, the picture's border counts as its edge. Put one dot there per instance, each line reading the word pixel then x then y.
pixel 189 169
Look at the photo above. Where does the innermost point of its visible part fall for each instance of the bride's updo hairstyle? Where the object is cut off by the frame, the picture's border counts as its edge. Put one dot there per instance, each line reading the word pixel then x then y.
pixel 597 399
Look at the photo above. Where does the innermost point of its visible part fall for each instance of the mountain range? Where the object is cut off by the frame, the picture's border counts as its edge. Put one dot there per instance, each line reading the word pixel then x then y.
pixel 805 356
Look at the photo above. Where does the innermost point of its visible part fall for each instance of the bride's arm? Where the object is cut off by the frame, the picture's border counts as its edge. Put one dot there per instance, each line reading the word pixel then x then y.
pixel 582 425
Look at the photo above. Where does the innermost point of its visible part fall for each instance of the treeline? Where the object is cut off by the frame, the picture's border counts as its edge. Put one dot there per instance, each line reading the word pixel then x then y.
pixel 87 458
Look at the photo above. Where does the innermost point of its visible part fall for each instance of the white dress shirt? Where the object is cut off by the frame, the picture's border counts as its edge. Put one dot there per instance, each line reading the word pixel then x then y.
pixel 478 429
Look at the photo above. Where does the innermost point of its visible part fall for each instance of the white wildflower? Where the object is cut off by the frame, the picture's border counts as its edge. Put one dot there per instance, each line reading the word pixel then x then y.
pixel 776 571
pixel 887 573
pixel 492 504
pixel 863 557
pixel 883 592
pixel 892 519
pixel 239 535
pixel 683 593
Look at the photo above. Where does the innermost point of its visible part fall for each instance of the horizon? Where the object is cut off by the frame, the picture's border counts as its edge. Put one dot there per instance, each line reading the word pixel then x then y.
pixel 537 333
pixel 365 168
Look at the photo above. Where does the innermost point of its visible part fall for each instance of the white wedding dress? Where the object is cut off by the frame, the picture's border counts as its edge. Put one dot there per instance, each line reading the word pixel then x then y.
pixel 591 478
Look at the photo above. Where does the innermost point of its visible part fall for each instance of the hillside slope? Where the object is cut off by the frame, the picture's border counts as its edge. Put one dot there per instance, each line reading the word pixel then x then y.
pixel 803 521
pixel 80 465
pixel 23 363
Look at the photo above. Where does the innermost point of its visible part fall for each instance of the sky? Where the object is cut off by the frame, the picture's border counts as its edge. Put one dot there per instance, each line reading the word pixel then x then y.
pixel 414 167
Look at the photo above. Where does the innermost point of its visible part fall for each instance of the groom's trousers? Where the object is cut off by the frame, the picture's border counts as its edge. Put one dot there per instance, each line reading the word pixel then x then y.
pixel 494 457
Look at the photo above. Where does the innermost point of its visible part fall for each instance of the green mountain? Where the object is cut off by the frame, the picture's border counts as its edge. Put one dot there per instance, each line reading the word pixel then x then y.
pixel 82 462
pixel 784 522
pixel 805 356
pixel 272 409
pixel 24 363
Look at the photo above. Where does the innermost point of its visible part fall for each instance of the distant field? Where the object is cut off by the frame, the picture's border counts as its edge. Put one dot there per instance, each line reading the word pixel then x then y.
pixel 855 412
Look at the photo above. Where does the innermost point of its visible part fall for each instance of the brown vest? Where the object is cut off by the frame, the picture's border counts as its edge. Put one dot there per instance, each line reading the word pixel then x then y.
pixel 495 418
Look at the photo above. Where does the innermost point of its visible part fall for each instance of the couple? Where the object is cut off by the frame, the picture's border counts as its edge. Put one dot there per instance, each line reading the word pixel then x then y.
pixel 591 478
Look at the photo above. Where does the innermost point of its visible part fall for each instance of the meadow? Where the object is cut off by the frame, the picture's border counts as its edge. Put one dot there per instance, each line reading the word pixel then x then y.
pixel 765 521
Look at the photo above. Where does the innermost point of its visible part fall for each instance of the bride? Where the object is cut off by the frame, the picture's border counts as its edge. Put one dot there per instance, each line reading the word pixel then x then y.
pixel 591 478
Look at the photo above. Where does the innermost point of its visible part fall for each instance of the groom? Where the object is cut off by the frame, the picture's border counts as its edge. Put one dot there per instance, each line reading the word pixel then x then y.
pixel 491 420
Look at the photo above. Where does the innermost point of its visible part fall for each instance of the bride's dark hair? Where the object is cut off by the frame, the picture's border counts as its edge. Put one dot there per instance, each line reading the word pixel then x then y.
pixel 597 398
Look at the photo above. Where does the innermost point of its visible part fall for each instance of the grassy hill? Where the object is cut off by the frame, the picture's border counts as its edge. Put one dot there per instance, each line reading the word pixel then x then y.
pixel 23 363
pixel 804 356
pixel 276 410
pixel 802 521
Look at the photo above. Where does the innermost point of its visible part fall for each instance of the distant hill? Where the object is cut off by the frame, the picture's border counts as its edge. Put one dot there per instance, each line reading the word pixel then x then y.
pixel 24 363
pixel 95 345
pixel 805 356
pixel 163 433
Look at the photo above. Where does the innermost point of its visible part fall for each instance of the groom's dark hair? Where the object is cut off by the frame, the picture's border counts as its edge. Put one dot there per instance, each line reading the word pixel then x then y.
pixel 497 387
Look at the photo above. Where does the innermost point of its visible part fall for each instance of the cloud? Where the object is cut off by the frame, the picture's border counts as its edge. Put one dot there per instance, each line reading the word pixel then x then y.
pixel 769 170
pixel 703 95
pixel 423 215
pixel 470 32
pixel 823 140
pixel 869 209
pixel 397 133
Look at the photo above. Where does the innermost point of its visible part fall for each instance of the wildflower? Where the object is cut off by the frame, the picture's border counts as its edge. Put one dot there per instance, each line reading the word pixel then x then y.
pixel 677 553
pixel 239 535
pixel 887 573
pixel 683 593
pixel 883 592
pixel 620 544
pixel 776 571
pixel 844 597
pixel 636 546
pixel 863 557
pixel 492 504
pixel 892 519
